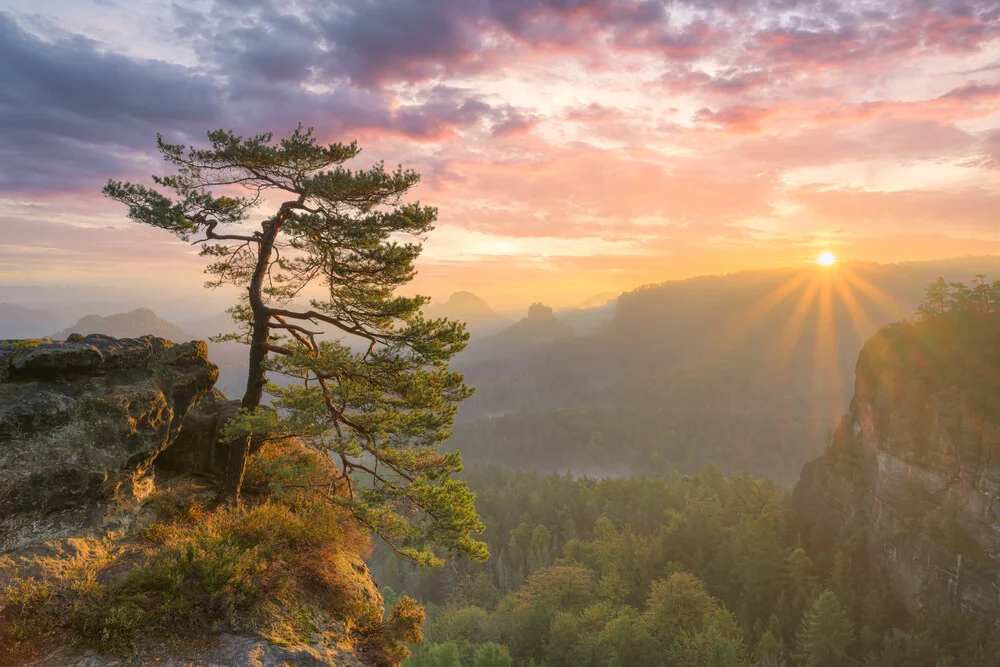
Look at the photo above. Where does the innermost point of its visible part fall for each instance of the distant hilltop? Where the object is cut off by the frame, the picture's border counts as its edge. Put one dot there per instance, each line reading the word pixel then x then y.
pixel 469 308
pixel 135 323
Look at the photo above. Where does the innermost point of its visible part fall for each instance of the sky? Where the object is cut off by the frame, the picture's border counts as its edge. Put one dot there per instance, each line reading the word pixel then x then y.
pixel 573 147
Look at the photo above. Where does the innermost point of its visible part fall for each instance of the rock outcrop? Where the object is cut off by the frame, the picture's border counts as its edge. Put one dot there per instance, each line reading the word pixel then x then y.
pixel 84 425
pixel 230 651
pixel 198 447
pixel 81 422
pixel 913 470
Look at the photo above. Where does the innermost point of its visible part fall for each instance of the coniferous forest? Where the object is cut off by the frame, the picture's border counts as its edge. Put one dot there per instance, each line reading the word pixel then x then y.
pixel 699 570
pixel 500 333
pixel 688 570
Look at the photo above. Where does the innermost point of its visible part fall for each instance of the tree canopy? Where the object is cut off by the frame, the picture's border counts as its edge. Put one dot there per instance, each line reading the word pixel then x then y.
pixel 327 260
pixel 942 297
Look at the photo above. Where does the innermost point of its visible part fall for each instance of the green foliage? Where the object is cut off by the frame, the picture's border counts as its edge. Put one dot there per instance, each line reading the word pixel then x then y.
pixel 25 345
pixel 726 576
pixel 284 565
pixel 492 655
pixel 347 234
pixel 677 605
pixel 826 634
pixel 978 297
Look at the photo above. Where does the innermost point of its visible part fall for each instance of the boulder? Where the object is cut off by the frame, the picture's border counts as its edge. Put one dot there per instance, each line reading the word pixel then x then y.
pixel 81 422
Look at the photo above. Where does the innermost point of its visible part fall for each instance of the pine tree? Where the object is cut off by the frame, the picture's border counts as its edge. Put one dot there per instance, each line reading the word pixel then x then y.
pixel 825 635
pixel 769 651
pixel 447 655
pixel 982 295
pixel 801 582
pixel 935 299
pixel 346 235
pixel 492 654
pixel 959 298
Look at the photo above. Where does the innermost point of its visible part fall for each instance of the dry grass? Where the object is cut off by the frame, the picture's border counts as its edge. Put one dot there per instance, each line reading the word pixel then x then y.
pixel 284 565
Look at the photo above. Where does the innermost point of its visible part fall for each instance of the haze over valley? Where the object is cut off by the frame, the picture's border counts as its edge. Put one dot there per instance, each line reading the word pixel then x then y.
pixel 500 333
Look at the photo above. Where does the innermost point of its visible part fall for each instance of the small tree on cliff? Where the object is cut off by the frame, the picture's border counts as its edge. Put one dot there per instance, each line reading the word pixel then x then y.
pixel 333 240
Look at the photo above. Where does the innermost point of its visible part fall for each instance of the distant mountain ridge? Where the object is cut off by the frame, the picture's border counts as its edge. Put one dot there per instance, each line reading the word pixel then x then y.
pixel 135 323
pixel 469 308
pixel 748 370
pixel 540 327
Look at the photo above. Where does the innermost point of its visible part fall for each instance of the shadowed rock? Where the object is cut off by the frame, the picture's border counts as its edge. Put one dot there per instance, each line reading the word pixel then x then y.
pixel 198 448
pixel 81 422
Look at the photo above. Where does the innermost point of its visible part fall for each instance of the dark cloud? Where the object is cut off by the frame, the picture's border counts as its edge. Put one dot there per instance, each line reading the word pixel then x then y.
pixel 72 116
pixel 70 113
pixel 376 42
pixel 371 43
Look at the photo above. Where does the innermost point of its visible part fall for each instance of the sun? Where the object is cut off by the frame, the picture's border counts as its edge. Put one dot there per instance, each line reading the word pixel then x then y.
pixel 826 258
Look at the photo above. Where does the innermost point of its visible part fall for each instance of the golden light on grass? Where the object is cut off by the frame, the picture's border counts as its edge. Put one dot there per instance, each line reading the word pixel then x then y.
pixel 826 258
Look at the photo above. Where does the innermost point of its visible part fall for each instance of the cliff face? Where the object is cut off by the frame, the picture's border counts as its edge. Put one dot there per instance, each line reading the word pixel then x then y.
pixel 81 422
pixel 913 469
pixel 99 561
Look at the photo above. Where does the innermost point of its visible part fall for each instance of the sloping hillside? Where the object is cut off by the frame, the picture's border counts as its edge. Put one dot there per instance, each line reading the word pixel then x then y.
pixel 135 323
pixel 749 370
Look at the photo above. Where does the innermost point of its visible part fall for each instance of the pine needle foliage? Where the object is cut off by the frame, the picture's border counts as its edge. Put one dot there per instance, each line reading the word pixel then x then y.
pixel 328 260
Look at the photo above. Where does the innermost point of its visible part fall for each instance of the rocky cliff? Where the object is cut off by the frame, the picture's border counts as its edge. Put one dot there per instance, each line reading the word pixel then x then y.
pixel 913 470
pixel 115 550
pixel 81 422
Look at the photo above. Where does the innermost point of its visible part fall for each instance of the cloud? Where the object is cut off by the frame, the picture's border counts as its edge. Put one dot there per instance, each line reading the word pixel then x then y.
pixel 962 211
pixel 680 128
pixel 73 115
pixel 581 191
pixel 893 139
pixel 69 111
pixel 738 118
pixel 968 101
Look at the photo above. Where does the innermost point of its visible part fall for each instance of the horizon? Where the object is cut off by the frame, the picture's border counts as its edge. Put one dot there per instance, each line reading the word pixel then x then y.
pixel 571 150
pixel 178 308
pixel 309 309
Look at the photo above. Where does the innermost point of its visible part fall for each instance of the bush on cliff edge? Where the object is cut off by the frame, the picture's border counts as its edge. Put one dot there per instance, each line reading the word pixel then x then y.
pixel 286 565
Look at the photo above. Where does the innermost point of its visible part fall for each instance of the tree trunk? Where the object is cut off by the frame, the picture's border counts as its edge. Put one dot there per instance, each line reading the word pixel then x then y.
pixel 239 451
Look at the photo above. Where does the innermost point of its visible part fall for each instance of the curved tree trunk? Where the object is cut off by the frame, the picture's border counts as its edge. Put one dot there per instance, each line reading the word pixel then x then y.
pixel 239 451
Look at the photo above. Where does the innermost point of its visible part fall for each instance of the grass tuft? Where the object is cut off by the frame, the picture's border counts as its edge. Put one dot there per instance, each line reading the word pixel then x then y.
pixel 284 565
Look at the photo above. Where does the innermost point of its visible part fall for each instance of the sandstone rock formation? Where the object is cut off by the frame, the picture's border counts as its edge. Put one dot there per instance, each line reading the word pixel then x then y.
pixel 84 424
pixel 81 422
pixel 198 447
pixel 913 470
pixel 231 651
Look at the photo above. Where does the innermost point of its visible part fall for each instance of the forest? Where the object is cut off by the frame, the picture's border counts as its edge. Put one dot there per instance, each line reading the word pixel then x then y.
pixel 499 333
pixel 673 538
pixel 703 570
pixel 695 570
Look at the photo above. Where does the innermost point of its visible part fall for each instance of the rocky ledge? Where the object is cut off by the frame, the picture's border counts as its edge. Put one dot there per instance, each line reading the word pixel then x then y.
pixel 81 422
